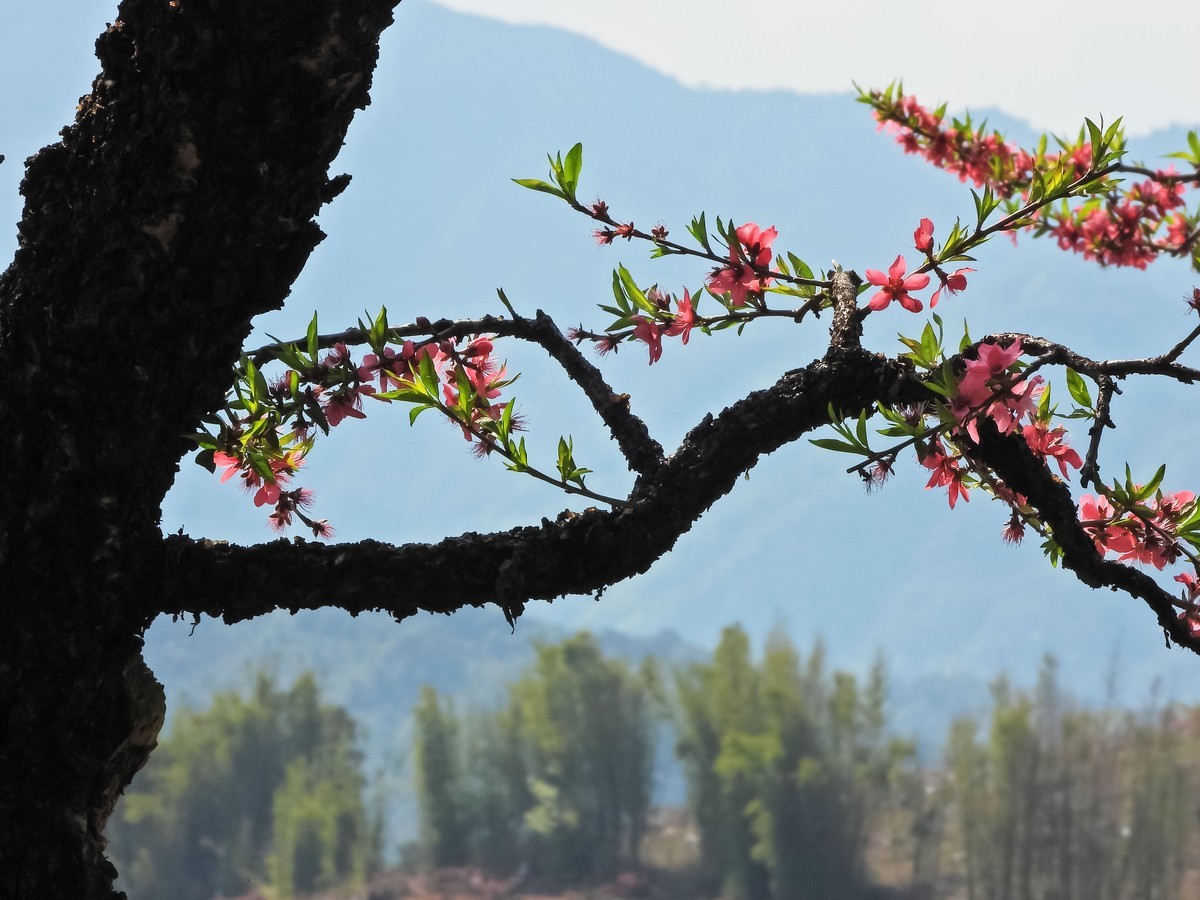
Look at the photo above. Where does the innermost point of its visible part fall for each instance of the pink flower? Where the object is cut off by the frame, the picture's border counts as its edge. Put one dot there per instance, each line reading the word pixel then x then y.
pixel 953 283
pixel 757 243
pixel 391 367
pixel 1173 506
pixel 894 286
pixel 338 355
pixel 739 278
pixel 1021 402
pixel 347 405
pixel 1046 443
pixel 946 473
pixel 923 237
pixel 1014 531
pixel 1177 230
pixel 231 464
pixel 651 333
pixel 996 359
pixel 879 473
pixel 1097 516
pixel 1153 547
pixel 685 318
pixel 1188 580
pixel 268 493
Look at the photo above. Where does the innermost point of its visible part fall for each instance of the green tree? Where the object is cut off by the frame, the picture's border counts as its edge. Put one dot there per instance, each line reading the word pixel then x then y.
pixel 589 727
pixel 719 703
pixel 1068 804
pixel 1160 811
pixel 498 789
pixel 787 765
pixel 251 791
pixel 559 779
pixel 444 838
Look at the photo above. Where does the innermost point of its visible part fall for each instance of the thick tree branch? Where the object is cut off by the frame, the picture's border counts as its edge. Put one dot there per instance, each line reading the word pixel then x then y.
pixel 1010 458
pixel 578 553
pixel 1104 373
pixel 1055 353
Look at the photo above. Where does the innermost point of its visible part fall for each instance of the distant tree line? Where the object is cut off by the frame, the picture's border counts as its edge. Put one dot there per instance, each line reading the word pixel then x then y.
pixel 798 790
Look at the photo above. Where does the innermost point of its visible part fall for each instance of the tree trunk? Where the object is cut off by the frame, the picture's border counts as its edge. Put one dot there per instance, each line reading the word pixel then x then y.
pixel 177 206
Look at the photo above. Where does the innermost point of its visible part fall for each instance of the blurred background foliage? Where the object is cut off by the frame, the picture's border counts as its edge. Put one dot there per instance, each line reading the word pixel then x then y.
pixel 796 787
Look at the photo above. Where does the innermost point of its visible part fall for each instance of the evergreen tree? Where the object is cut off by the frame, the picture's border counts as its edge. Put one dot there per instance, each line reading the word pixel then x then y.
pixel 589 728
pixel 786 765
pixel 439 785
pixel 256 790
pixel 559 779
pixel 1069 804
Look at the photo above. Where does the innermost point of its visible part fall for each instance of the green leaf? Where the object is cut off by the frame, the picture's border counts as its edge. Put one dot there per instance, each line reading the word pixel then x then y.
pixel 1044 410
pixel 417 410
pixel 429 377
pixel 404 395
pixel 572 166
pixel 619 293
pixel 839 446
pixel 1078 389
pixel 565 464
pixel 204 459
pixel 318 415
pixel 466 394
pixel 536 184
pixel 800 266
pixel 504 299
pixel 635 292
pixel 699 230
pixel 262 467
pixel 861 429
pixel 1152 486
pixel 312 337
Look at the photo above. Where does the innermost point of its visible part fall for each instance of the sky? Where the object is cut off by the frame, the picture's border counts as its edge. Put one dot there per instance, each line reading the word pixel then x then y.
pixel 1049 62
pixel 46 56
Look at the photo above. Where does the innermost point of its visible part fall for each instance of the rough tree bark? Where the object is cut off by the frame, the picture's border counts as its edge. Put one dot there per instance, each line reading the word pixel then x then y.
pixel 179 205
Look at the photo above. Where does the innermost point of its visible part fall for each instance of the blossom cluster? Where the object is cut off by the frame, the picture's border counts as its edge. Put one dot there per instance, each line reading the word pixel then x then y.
pixel 749 255
pixel 1120 224
pixel 992 387
pixel 1133 522
pixel 972 153
pixel 267 429
pixel 1146 535
pixel 1123 229
pixel 897 285
pixel 650 323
